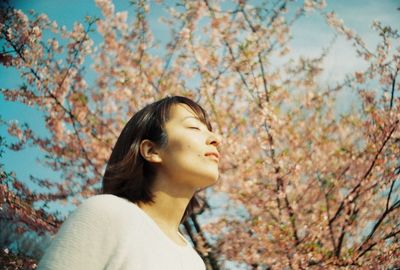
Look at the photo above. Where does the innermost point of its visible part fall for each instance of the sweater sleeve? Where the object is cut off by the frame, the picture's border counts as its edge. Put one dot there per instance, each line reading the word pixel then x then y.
pixel 85 241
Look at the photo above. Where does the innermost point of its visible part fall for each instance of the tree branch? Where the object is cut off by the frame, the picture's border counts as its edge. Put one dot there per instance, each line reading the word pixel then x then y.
pixel 393 88
pixel 366 174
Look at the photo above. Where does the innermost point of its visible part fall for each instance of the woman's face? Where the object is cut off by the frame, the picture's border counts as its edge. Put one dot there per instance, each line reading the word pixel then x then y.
pixel 184 159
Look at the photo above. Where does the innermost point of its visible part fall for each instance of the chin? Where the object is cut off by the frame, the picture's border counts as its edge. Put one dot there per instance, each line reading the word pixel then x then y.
pixel 203 178
pixel 208 182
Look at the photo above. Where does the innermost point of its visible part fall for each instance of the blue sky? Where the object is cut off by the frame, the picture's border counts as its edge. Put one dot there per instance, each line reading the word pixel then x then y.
pixel 310 35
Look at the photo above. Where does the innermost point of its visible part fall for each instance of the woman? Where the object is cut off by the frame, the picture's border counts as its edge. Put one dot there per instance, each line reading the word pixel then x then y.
pixel 164 155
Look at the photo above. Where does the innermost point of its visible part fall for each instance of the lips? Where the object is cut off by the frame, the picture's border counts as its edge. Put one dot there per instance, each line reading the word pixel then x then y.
pixel 214 154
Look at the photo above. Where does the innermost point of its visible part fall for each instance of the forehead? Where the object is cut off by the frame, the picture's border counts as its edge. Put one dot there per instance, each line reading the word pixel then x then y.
pixel 181 112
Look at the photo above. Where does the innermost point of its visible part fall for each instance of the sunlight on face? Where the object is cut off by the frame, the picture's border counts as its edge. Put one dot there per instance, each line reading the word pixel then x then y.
pixel 184 158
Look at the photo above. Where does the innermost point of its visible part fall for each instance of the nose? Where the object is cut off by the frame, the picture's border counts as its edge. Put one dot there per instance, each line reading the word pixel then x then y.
pixel 215 139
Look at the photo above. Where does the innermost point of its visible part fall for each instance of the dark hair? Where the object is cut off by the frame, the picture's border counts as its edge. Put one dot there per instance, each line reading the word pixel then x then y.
pixel 128 174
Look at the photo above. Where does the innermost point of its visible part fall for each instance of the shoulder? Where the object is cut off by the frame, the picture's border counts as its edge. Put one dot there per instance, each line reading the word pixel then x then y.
pixel 104 214
pixel 101 211
pixel 104 207
pixel 100 215
pixel 105 202
pixel 90 235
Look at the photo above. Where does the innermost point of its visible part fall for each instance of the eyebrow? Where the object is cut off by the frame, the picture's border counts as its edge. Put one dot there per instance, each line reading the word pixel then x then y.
pixel 198 119
pixel 191 117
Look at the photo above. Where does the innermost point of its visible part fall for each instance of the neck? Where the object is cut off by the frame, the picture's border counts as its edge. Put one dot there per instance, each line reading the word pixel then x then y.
pixel 169 205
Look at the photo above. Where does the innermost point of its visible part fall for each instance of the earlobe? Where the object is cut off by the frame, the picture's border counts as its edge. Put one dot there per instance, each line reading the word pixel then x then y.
pixel 149 152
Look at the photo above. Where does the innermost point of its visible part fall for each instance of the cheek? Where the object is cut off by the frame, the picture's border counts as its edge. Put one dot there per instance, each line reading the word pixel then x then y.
pixel 184 148
pixel 189 149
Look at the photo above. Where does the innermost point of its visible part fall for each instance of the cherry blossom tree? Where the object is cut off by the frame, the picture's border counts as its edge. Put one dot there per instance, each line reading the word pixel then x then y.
pixel 321 186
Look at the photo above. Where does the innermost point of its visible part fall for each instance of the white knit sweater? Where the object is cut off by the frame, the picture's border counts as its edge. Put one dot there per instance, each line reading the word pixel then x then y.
pixel 108 232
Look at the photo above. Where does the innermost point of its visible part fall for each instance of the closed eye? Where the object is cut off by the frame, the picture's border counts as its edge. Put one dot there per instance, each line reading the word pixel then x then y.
pixel 195 128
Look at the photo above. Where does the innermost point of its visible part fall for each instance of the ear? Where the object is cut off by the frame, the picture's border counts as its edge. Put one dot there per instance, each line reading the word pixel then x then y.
pixel 149 152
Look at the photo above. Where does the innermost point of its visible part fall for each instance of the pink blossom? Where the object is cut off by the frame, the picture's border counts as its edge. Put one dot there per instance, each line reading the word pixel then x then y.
pixel 360 77
pixel 106 6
